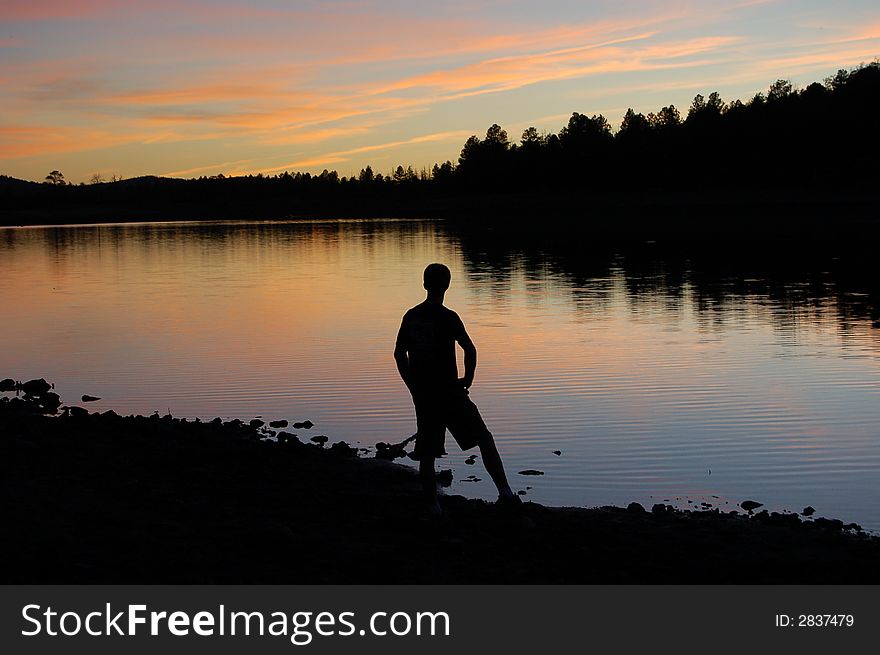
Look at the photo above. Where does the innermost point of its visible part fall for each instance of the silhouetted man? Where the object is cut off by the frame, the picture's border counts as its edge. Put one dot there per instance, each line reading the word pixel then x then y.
pixel 425 356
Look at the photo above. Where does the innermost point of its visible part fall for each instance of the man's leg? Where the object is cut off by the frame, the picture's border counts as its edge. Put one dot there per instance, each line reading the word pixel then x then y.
pixel 469 429
pixel 494 466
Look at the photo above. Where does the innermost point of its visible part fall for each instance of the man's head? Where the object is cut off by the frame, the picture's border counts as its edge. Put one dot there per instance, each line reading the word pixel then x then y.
pixel 437 278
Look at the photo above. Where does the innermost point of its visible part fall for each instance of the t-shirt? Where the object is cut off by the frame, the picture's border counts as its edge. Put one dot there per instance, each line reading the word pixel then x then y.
pixel 428 333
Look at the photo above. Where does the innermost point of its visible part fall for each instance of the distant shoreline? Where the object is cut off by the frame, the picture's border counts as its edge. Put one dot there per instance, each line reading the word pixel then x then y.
pixel 701 210
pixel 103 498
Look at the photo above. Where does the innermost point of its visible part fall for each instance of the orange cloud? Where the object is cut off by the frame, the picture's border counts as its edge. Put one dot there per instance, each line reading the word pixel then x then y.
pixel 513 72
pixel 32 140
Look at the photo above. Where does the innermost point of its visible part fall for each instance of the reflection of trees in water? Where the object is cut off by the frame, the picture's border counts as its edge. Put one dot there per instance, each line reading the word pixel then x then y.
pixel 801 281
pixel 793 281
pixel 66 241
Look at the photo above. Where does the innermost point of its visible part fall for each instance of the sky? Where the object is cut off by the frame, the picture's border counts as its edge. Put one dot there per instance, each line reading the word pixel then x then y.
pixel 186 88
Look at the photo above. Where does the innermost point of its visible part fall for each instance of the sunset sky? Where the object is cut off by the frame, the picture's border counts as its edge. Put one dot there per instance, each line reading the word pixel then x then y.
pixel 189 88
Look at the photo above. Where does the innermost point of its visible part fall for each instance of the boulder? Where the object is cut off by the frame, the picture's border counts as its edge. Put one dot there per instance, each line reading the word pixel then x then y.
pixel 389 451
pixel 35 387
pixel 285 437
pixel 343 449
pixel 78 412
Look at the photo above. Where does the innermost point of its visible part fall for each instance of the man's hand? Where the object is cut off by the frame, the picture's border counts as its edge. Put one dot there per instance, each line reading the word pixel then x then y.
pixel 466 382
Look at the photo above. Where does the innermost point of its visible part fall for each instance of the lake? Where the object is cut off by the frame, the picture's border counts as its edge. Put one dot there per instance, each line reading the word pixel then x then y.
pixel 662 373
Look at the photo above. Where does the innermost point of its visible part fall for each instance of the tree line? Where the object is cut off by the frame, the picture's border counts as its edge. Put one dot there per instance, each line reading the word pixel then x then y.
pixel 823 136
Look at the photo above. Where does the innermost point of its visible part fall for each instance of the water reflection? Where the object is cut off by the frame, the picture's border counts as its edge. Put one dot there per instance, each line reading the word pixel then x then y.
pixel 648 363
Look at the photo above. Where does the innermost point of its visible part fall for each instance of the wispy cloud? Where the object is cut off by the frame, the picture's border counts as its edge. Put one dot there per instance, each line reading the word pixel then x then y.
pixel 203 169
pixel 346 155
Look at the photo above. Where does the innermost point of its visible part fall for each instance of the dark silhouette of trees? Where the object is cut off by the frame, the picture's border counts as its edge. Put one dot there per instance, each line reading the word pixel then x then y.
pixel 56 178
pixel 825 136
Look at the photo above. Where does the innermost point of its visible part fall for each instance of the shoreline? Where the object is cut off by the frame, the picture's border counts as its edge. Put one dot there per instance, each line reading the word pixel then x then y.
pixel 103 498
pixel 655 210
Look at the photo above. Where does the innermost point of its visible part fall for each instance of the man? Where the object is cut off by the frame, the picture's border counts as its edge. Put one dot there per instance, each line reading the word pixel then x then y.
pixel 425 356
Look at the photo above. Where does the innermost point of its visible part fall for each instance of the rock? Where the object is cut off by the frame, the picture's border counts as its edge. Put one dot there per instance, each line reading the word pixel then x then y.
pixel 470 460
pixel 557 452
pixel 320 440
pixel 660 508
pixel 49 402
pixel 389 451
pixel 343 449
pixel 216 421
pixel 472 478
pixel 78 412
pixel 809 510
pixel 521 492
pixel 278 424
pixel 89 399
pixel 829 524
pixel 35 387
pixel 444 477
pixel 257 423
pixel 749 505
pixel 636 508
pixel 531 472
pixel 784 519
pixel 305 425
pixel 285 437
pixel 7 385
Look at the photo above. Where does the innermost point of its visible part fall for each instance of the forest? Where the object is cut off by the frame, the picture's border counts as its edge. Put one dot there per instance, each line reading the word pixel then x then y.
pixel 820 139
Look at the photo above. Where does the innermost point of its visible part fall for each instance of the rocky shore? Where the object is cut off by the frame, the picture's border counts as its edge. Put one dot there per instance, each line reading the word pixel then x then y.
pixel 101 498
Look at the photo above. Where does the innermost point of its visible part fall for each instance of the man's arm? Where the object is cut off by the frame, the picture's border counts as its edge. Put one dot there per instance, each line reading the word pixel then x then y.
pixel 470 355
pixel 402 358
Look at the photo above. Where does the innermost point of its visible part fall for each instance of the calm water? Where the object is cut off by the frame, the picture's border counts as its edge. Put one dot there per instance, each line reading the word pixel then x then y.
pixel 657 376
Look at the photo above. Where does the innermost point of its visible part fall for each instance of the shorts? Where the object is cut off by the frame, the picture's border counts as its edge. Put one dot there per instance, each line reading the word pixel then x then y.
pixel 435 412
